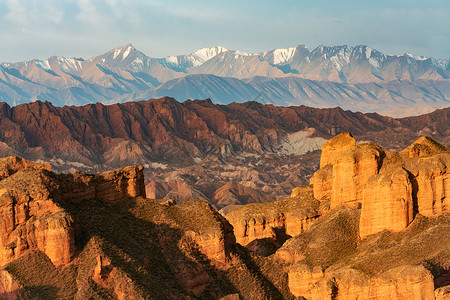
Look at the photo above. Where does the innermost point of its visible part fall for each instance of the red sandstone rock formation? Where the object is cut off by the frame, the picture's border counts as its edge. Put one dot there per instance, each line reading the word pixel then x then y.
pixel 405 282
pixel 116 185
pixel 10 289
pixel 31 214
pixel 391 187
pixel 275 220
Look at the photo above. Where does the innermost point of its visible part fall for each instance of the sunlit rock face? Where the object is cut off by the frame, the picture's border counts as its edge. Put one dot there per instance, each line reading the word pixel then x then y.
pixel 405 282
pixel 31 215
pixel 387 203
pixel 392 187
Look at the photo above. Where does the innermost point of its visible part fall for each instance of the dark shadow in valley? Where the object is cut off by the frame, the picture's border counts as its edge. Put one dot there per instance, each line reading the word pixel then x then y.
pixel 149 253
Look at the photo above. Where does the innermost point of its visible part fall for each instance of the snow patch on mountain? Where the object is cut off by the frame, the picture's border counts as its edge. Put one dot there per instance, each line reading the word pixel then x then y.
pixel 127 51
pixel 283 55
pixel 242 53
pixel 122 52
pixel 43 64
pixel 70 64
pixel 374 63
pixel 368 52
pixel 137 64
pixel 341 58
pixel 440 63
pixel 207 53
pixel 172 59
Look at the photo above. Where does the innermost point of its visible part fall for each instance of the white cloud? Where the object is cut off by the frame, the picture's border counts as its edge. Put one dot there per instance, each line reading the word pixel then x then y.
pixel 190 11
pixel 124 11
pixel 89 13
pixel 34 13
pixel 53 12
pixel 17 12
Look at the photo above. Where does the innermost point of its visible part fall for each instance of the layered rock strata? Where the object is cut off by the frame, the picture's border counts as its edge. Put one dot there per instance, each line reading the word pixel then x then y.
pixel 392 187
pixel 30 206
pixel 59 224
pixel 275 220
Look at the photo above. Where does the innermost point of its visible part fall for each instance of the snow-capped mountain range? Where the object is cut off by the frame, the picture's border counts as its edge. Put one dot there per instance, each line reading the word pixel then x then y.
pixel 356 78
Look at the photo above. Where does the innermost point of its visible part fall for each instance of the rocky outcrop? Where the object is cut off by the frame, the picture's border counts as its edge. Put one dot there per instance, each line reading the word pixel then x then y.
pixel 10 289
pixel 12 164
pixel 392 187
pixel 387 203
pixel 335 146
pixel 424 146
pixel 329 261
pixel 113 186
pixel 442 293
pixel 345 169
pixel 405 282
pixel 213 234
pixel 32 217
pixel 395 191
pixel 275 220
pixel 303 278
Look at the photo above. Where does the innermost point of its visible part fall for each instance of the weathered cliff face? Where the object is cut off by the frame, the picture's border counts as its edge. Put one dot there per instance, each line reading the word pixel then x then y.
pixel 32 220
pixel 331 262
pixel 351 169
pixel 30 206
pixel 10 289
pixel 345 169
pixel 387 203
pixel 124 237
pixel 336 146
pixel 127 182
pixel 276 220
pixel 391 187
pixel 405 282
pixel 430 177
pixel 12 164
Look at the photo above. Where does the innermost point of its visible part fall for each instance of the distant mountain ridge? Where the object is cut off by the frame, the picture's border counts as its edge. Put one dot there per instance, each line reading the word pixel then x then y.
pixel 136 133
pixel 357 78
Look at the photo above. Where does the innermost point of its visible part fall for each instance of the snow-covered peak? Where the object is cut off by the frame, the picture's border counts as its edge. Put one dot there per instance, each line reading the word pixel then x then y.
pixel 205 54
pixel 283 55
pixel 119 55
pixel 123 52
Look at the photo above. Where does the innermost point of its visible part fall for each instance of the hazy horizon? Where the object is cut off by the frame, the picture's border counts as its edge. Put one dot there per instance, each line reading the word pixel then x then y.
pixel 41 29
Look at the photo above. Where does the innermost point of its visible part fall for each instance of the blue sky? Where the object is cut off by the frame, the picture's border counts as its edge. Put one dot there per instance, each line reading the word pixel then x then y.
pixel 85 28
